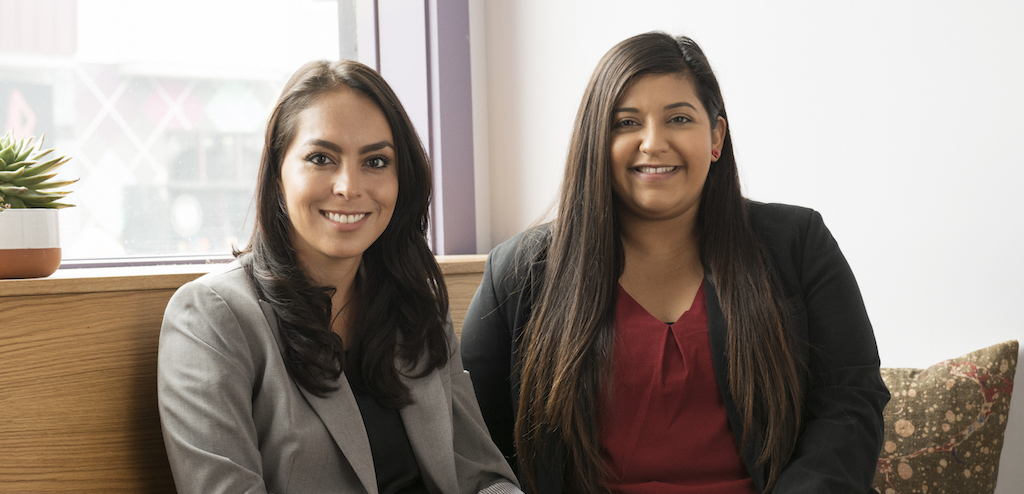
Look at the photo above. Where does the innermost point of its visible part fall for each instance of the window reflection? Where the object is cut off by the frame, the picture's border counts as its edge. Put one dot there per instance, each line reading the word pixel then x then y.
pixel 161 104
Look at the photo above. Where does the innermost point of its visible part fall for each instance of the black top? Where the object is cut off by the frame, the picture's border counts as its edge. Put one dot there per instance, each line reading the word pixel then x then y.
pixel 393 459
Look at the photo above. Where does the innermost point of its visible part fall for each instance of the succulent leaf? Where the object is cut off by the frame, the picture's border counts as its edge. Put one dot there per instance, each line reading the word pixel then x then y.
pixel 11 176
pixel 7 153
pixel 33 169
pixel 24 165
pixel 25 180
pixel 36 180
pixel 35 196
pixel 15 150
pixel 45 152
pixel 12 190
pixel 41 202
pixel 54 185
pixel 24 149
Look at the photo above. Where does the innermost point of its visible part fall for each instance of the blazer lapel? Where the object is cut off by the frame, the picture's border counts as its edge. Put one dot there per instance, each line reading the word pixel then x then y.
pixel 718 334
pixel 428 423
pixel 338 412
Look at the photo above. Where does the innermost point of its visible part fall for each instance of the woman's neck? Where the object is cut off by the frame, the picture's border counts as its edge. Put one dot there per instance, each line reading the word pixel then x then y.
pixel 662 269
pixel 669 243
pixel 342 314
pixel 341 276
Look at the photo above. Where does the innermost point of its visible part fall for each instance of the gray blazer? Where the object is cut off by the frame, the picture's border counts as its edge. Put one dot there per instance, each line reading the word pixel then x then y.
pixel 233 420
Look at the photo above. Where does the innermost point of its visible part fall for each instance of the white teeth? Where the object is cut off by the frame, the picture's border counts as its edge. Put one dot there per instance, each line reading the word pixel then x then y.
pixel 345 218
pixel 655 169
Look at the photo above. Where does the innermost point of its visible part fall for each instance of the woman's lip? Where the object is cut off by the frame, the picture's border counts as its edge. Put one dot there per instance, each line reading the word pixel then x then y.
pixel 654 169
pixel 344 218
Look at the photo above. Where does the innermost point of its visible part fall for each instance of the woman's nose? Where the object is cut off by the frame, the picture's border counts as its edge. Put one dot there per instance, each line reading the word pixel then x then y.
pixel 653 140
pixel 347 181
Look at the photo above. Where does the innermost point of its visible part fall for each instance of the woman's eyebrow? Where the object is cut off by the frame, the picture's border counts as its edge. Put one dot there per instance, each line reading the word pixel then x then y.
pixel 336 148
pixel 325 144
pixel 677 105
pixel 377 146
pixel 667 107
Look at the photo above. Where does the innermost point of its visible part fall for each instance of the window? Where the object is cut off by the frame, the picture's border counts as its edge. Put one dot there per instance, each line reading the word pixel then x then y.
pixel 161 104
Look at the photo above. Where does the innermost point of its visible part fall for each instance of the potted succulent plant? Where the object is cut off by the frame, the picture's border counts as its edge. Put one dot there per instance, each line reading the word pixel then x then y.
pixel 29 200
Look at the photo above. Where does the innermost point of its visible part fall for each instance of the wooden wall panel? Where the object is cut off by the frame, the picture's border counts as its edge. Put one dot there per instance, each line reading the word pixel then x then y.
pixel 78 393
pixel 461 288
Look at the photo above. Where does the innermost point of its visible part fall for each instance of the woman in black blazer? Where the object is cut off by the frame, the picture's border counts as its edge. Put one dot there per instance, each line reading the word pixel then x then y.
pixel 778 374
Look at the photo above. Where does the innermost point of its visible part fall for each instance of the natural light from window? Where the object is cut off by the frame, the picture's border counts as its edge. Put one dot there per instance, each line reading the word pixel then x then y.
pixel 162 105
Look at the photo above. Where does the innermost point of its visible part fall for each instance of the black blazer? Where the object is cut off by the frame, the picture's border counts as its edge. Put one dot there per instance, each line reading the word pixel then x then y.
pixel 838 447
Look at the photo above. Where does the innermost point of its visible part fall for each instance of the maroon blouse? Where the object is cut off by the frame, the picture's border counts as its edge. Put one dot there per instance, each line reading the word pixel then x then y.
pixel 666 429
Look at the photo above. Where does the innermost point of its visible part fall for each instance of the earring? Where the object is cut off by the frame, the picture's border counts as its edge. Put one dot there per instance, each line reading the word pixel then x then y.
pixel 715 153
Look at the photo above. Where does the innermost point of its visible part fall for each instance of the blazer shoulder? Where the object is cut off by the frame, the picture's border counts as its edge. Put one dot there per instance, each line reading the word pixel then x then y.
pixel 768 215
pixel 512 260
pixel 230 278
pixel 779 225
pixel 230 283
pixel 219 300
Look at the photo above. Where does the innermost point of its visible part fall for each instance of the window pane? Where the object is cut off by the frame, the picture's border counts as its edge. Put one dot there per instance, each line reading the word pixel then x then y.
pixel 162 105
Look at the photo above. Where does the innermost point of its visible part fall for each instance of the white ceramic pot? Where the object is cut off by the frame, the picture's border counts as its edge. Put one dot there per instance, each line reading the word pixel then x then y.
pixel 29 243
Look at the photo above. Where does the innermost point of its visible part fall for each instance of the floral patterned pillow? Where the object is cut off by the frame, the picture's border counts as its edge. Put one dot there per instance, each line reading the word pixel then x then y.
pixel 944 425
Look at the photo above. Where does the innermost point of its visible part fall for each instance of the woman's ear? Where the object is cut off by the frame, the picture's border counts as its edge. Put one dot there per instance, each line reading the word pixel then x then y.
pixel 718 138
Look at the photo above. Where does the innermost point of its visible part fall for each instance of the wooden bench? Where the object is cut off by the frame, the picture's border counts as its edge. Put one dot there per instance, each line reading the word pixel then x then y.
pixel 78 408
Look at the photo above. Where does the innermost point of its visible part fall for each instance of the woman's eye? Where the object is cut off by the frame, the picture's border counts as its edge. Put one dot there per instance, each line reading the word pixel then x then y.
pixel 318 159
pixel 625 123
pixel 378 162
pixel 680 119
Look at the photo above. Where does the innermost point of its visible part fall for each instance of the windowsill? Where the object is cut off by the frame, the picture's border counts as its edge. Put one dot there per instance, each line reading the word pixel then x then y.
pixel 114 279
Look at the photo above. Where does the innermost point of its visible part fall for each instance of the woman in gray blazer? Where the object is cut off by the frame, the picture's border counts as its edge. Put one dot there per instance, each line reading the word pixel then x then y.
pixel 323 359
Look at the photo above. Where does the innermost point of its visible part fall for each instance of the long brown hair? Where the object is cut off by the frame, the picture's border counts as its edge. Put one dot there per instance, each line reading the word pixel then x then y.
pixel 566 352
pixel 401 302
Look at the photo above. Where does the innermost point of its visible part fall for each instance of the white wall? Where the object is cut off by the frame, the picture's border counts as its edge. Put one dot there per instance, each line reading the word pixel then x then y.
pixel 902 122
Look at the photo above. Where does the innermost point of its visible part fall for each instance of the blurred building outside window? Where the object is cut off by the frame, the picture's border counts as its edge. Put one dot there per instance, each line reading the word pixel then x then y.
pixel 162 105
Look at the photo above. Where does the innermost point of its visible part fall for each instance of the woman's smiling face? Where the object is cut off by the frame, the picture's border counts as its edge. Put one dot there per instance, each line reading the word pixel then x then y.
pixel 661 148
pixel 339 179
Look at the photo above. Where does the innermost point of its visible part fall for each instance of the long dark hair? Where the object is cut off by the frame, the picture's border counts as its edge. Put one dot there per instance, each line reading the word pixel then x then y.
pixel 566 352
pixel 401 303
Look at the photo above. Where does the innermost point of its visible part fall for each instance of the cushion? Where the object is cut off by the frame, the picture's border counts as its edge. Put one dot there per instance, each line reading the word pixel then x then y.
pixel 944 425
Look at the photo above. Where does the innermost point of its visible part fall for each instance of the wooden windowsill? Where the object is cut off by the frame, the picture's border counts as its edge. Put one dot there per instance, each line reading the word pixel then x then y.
pixel 93 280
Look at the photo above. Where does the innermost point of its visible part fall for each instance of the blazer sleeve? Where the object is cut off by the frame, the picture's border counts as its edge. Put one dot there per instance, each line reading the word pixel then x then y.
pixel 205 379
pixel 838 447
pixel 478 462
pixel 487 349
